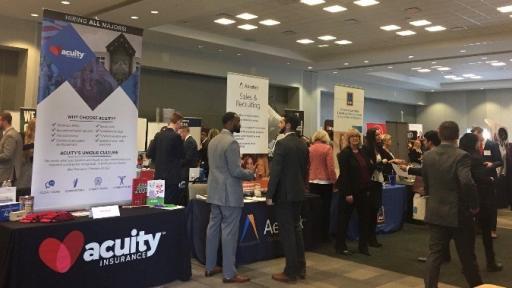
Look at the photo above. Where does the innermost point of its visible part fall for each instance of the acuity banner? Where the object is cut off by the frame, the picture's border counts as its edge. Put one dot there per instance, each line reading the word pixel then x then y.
pixel 85 146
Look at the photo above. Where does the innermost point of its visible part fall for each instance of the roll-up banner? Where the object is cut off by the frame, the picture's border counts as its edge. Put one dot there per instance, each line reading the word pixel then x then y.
pixel 348 108
pixel 248 96
pixel 86 146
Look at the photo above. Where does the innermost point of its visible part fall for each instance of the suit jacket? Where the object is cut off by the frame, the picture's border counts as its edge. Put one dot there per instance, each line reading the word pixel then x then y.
pixel 226 174
pixel 167 153
pixel 416 171
pixel 192 156
pixel 483 180
pixel 289 170
pixel 11 155
pixel 349 178
pixel 492 149
pixel 449 184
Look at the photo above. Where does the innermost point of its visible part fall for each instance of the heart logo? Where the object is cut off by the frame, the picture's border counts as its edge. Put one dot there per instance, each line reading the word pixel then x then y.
pixel 55 50
pixel 60 256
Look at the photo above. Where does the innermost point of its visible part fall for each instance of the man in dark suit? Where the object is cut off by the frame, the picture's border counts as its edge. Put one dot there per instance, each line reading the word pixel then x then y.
pixel 491 154
pixel 286 188
pixel 452 205
pixel 191 159
pixel 167 153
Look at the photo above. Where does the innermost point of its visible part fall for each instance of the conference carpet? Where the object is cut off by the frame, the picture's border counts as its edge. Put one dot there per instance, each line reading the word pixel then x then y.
pixel 401 250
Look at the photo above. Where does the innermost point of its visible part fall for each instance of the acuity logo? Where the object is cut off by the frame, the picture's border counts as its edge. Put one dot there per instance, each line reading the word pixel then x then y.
pixel 249 221
pixel 57 50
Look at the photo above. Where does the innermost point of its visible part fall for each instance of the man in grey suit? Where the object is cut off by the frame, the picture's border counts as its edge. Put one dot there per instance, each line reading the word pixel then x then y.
pixel 225 195
pixel 11 150
pixel 451 206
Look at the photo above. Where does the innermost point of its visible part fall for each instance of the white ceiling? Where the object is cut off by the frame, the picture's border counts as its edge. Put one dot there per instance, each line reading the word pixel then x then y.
pixel 468 22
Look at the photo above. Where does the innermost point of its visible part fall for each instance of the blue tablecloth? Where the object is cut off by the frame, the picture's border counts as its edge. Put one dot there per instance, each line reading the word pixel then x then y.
pixel 259 233
pixel 394 206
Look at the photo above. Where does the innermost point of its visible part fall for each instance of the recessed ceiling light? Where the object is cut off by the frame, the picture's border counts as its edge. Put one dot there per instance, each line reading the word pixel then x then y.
pixel 410 56
pixel 323 45
pixel 247 27
pixel 450 76
pixel 499 64
pixel 134 17
pixel 309 67
pixel 390 67
pixel 484 58
pixel 154 12
pixel 246 16
pixel 224 21
pixel 419 23
pixel 406 33
pixel 34 14
pixel 491 61
pixel 505 9
pixel 468 75
pixel 288 63
pixel 424 70
pixel 238 54
pixel 219 50
pixel 343 42
pixel 366 2
pixel 435 67
pixel 346 64
pixel 270 22
pixel 462 51
pixel 444 68
pixel 435 28
pixel 458 78
pixel 327 37
pixel 312 2
pixel 200 46
pixel 65 2
pixel 476 77
pixel 366 61
pixel 334 72
pixel 335 9
pixel 390 27
pixel 305 41
pixel 416 68
pixel 434 62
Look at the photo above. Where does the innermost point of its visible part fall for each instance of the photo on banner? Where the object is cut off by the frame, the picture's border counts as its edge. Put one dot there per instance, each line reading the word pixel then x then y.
pixel 348 108
pixel 86 147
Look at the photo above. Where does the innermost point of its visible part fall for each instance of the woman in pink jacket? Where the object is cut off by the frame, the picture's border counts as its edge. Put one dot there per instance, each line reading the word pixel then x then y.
pixel 322 175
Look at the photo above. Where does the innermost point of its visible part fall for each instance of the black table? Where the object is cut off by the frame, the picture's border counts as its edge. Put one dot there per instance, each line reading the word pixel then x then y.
pixel 259 232
pixel 82 253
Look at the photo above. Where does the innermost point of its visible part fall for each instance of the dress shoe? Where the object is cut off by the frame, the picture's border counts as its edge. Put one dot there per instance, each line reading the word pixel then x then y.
pixel 344 252
pixel 237 279
pixel 364 251
pixel 281 277
pixel 375 244
pixel 495 267
pixel 494 235
pixel 422 259
pixel 216 270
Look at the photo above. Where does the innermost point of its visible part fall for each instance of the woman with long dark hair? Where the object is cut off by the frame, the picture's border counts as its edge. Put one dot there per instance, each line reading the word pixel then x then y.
pixel 485 185
pixel 376 184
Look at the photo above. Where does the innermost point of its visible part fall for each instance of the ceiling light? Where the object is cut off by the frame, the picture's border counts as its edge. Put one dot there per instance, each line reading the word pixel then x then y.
pixel 468 75
pixel 154 12
pixel 444 68
pixel 410 57
pixel 462 51
pixel 366 61
pixel 424 70
pixel 390 67
pixel 224 21
pixel 219 50
pixel 309 67
pixel 434 62
pixel 343 42
pixel 246 16
pixel 288 63
pixel 334 72
pixel 346 64
pixel 238 54
pixel 458 78
pixel 406 33
pixel 134 17
pixel 416 68
pixel 312 2
pixel 476 77
pixel 450 76
pixel 305 41
pixel 200 46
pixel 499 64
pixel 435 67
pixel 327 37
pixel 34 14
pixel 247 27
pixel 484 58
pixel 419 23
pixel 505 9
pixel 323 45
pixel 270 22
pixel 390 27
pixel 366 2
pixel 435 28
pixel 491 61
pixel 335 9
pixel 65 2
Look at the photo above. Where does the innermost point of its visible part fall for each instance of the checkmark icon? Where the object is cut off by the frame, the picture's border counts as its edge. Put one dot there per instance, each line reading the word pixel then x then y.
pixel 53 140
pixel 54 124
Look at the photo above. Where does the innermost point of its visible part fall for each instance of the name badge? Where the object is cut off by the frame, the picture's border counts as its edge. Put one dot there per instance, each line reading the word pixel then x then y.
pixel 105 212
pixel 487 152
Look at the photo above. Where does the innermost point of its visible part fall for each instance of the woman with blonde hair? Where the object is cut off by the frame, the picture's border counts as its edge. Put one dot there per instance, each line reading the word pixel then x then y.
pixel 25 178
pixel 322 175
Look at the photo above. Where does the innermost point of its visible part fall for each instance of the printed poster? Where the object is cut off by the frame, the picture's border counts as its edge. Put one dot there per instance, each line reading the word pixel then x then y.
pixel 85 147
pixel 348 108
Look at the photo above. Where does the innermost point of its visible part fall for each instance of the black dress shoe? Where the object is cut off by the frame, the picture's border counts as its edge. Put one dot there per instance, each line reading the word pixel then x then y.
pixel 216 270
pixel 344 252
pixel 375 244
pixel 495 267
pixel 422 259
pixel 364 251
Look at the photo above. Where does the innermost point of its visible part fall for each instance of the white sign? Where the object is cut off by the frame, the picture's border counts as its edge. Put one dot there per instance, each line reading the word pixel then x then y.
pixel 248 96
pixel 348 108
pixel 7 194
pixel 105 212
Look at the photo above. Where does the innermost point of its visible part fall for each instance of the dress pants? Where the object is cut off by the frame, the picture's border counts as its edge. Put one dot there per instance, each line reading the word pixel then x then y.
pixel 224 221
pixel 325 193
pixel 485 221
pixel 361 204
pixel 291 238
pixel 464 238
pixel 375 201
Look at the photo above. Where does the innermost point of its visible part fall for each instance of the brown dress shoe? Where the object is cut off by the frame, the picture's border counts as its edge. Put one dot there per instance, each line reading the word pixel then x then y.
pixel 216 270
pixel 281 277
pixel 237 279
